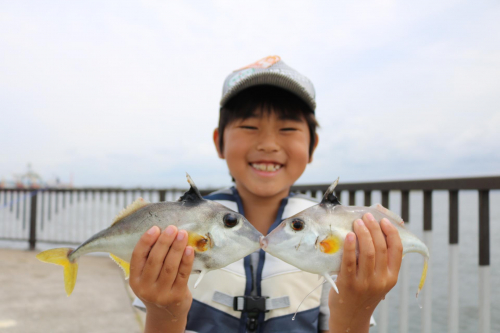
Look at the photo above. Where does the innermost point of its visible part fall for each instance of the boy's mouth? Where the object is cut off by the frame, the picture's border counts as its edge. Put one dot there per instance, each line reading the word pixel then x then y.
pixel 268 167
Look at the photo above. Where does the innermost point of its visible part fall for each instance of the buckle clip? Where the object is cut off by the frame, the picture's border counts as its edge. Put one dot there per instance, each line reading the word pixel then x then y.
pixel 250 303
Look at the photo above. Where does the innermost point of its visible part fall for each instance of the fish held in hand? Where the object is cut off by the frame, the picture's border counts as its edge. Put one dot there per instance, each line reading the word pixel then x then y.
pixel 313 239
pixel 218 235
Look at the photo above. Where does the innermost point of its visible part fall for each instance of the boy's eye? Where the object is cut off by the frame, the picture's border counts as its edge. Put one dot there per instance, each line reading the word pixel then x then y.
pixel 248 127
pixel 288 129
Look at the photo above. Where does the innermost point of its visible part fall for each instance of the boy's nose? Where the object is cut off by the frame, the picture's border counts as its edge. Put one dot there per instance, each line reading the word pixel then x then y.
pixel 268 143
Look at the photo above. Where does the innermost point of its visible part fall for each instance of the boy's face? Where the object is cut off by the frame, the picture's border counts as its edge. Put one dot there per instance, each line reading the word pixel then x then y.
pixel 265 154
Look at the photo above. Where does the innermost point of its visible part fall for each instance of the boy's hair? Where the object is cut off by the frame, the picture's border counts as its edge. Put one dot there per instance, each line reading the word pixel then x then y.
pixel 268 99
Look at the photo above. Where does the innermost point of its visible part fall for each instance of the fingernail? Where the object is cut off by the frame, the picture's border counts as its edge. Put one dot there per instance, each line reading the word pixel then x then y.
pixel 180 235
pixel 152 231
pixel 170 230
pixel 360 223
pixel 350 237
pixel 370 217
pixel 189 250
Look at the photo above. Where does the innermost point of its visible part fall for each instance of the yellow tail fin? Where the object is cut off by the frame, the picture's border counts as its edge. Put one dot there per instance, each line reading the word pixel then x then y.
pixel 60 257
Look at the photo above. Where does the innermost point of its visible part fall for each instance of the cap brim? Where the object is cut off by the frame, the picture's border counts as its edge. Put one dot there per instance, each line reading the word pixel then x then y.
pixel 274 79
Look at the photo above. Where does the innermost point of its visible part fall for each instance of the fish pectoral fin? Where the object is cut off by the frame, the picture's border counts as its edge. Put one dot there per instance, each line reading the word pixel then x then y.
pixel 202 274
pixel 125 266
pixel 60 257
pixel 330 280
pixel 424 275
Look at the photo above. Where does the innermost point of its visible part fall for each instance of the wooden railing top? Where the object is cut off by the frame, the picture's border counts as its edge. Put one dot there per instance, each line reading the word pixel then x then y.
pixel 470 183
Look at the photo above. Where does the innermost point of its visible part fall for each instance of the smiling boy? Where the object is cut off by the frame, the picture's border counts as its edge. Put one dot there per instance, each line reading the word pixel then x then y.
pixel 267 135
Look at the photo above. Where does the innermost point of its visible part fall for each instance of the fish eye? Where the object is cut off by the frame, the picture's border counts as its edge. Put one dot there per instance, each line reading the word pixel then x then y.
pixel 297 225
pixel 230 220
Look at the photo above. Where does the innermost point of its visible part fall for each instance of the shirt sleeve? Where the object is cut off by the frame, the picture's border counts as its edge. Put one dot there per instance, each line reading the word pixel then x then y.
pixel 324 310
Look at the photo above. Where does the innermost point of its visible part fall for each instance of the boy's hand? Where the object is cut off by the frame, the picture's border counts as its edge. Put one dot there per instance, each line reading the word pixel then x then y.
pixel 159 272
pixel 363 286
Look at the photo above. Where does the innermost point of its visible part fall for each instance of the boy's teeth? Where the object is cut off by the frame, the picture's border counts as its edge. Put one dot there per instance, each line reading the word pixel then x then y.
pixel 266 167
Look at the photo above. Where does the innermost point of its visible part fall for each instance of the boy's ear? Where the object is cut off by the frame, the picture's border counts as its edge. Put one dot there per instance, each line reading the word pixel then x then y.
pixel 316 140
pixel 216 143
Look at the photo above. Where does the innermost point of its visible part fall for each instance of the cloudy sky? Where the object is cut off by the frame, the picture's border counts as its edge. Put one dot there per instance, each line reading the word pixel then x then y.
pixel 126 93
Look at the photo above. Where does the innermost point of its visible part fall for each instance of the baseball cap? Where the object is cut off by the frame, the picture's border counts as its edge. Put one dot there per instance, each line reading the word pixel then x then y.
pixel 272 71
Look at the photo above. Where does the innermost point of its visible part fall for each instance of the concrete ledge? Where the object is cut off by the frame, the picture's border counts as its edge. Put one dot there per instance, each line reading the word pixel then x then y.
pixel 32 297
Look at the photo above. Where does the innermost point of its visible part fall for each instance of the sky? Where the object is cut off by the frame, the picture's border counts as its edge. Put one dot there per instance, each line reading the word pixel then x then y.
pixel 126 93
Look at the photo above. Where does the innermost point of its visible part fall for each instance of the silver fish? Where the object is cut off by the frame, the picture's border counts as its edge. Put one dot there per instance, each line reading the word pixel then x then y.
pixel 313 239
pixel 218 235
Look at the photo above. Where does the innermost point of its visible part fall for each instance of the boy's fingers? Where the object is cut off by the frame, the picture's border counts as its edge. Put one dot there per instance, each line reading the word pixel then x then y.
pixel 348 266
pixel 379 242
pixel 157 255
pixel 173 259
pixel 141 252
pixel 185 268
pixel 366 260
pixel 394 246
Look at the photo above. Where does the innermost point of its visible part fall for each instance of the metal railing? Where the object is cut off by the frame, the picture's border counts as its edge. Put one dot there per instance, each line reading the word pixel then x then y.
pixel 73 215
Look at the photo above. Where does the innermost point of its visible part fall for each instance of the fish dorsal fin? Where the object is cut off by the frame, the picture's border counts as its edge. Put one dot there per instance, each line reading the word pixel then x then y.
pixel 192 195
pixel 133 207
pixel 389 213
pixel 329 197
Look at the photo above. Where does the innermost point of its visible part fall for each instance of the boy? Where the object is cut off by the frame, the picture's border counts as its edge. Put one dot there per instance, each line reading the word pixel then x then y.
pixel 267 135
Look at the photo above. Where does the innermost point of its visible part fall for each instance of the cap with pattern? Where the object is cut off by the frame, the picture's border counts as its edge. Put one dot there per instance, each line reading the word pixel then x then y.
pixel 272 71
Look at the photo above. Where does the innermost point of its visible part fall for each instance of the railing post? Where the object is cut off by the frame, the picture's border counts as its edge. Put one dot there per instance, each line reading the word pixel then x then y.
pixel 368 198
pixel 385 199
pixel 484 262
pixel 404 280
pixel 338 194
pixel 162 194
pixel 352 198
pixel 427 292
pixel 383 318
pixel 453 290
pixel 32 239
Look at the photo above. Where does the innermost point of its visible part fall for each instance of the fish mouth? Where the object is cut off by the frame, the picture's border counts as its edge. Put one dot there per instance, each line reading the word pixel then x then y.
pixel 263 242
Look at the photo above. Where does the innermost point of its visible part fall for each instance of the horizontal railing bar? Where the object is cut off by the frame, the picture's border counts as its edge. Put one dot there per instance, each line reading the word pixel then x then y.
pixel 471 183
pixel 21 238
pixel 101 190
pixel 476 183
pixel 57 242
